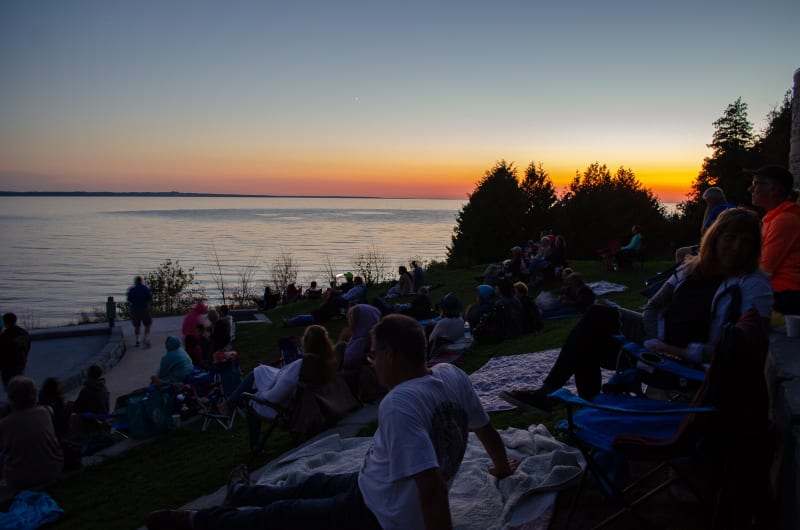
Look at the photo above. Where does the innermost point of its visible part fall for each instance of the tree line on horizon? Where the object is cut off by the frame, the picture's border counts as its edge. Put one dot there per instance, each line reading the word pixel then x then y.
pixel 505 209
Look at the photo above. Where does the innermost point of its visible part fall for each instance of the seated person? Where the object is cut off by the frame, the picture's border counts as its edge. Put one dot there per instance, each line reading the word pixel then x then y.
pixel 176 364
pixel 32 457
pixel 513 313
pixel 450 328
pixel 532 320
pixel 404 285
pixel 418 274
pixel 354 342
pixel 683 320
pixel 292 294
pixel 94 396
pixel 418 308
pixel 484 301
pixel 517 268
pixel 317 365
pixel 313 292
pixel 52 396
pixel 347 284
pixel 335 303
pixel 716 203
pixel 403 480
pixel 624 257
pixel 573 298
pixel 772 190
pixel 269 300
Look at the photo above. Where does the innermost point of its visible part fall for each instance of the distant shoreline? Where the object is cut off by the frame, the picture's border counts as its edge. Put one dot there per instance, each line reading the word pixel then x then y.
pixel 170 194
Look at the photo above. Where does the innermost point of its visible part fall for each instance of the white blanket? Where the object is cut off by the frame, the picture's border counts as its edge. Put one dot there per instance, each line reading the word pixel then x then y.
pixel 525 371
pixel 477 499
pixel 603 287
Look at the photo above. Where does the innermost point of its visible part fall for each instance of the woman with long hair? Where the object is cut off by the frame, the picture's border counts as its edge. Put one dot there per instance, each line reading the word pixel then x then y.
pixel 277 385
pixel 683 320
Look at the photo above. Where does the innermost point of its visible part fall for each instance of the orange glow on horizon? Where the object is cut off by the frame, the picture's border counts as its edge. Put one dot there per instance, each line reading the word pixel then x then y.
pixel 429 179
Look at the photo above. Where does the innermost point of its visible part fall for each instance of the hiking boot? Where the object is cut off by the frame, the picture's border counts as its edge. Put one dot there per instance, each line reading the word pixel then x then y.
pixel 169 520
pixel 533 400
pixel 239 475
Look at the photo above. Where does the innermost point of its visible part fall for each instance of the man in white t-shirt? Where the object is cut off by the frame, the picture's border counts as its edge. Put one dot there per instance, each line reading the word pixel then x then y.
pixel 423 424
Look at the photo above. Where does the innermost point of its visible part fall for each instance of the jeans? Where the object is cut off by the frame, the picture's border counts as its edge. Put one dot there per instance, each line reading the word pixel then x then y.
pixel 322 501
pixel 247 385
pixel 591 345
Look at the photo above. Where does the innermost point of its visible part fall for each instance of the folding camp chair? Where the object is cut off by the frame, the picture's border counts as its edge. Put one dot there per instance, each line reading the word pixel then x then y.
pixel 726 420
pixel 225 375
pixel 314 407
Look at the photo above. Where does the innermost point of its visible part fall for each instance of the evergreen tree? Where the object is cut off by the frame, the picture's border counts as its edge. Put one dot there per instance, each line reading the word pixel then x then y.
pixel 541 196
pixel 599 207
pixel 492 221
pixel 732 151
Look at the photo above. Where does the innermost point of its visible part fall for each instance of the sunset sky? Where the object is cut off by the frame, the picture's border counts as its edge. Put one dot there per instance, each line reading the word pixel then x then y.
pixel 390 98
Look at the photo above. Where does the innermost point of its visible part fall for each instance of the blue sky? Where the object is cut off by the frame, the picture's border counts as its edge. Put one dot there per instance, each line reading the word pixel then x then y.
pixel 375 98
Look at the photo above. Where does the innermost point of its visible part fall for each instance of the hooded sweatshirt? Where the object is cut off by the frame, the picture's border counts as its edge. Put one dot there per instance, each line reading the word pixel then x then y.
pixel 780 247
pixel 193 318
pixel 357 348
pixel 176 364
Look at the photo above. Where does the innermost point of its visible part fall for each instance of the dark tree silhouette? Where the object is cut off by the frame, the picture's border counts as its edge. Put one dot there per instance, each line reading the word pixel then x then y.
pixel 492 221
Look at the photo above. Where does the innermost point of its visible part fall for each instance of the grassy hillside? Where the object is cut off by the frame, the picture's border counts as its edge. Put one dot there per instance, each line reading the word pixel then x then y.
pixel 186 464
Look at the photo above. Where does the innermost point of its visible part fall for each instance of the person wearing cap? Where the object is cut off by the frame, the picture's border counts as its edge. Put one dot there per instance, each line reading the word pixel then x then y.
pixel 484 301
pixel 772 189
pixel 716 203
pixel 32 455
pixel 450 328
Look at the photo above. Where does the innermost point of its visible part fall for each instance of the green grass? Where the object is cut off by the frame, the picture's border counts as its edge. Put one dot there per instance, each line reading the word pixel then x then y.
pixel 186 464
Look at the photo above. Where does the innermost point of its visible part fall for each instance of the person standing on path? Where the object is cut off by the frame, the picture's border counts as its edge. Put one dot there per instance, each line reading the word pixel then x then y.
pixel 15 343
pixel 140 298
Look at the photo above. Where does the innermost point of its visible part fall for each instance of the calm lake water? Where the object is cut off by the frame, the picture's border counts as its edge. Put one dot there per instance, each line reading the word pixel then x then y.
pixel 64 255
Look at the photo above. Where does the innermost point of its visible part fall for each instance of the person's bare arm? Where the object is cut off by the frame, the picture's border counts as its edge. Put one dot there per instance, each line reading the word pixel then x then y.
pixel 432 490
pixel 490 438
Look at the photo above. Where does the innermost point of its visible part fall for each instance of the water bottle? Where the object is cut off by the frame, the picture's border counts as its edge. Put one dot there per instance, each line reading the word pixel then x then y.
pixel 467 331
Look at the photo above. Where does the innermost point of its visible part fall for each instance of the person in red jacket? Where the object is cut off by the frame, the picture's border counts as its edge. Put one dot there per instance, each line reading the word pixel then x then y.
pixel 772 190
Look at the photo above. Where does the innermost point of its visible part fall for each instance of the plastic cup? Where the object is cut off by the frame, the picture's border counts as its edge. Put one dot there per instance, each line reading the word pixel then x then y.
pixel 793 325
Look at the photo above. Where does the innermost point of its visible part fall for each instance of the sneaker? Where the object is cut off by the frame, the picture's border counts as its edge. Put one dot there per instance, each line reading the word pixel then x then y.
pixel 146 343
pixel 137 343
pixel 239 475
pixel 534 400
pixel 169 520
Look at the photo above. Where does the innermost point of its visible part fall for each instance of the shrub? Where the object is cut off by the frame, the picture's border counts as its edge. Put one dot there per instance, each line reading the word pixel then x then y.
pixel 371 265
pixel 174 288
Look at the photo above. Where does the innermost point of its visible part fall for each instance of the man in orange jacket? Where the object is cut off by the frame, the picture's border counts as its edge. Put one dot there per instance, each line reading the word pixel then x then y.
pixel 772 190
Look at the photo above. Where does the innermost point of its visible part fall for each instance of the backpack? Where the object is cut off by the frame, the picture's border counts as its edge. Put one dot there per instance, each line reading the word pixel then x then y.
pixel 491 326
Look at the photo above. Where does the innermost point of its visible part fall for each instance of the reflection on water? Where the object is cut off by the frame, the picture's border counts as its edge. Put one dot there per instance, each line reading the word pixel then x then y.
pixel 64 255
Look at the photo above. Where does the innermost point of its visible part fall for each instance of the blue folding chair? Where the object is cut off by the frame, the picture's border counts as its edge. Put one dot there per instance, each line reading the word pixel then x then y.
pixel 727 418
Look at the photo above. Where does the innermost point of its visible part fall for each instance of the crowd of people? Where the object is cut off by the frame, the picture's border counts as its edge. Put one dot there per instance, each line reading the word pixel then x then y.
pixel 742 263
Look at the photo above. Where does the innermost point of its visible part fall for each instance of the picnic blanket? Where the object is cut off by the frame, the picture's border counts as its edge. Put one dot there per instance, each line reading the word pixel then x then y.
pixel 603 287
pixel 477 499
pixel 525 371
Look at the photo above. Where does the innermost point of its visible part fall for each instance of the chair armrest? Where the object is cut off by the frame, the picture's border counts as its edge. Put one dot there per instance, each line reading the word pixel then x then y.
pixel 247 396
pixel 627 404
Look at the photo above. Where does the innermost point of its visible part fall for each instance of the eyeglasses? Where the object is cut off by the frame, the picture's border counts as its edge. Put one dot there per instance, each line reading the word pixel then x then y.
pixel 759 183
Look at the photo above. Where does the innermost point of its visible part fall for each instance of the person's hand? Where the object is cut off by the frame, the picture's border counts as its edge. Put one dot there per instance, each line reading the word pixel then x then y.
pixel 504 471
